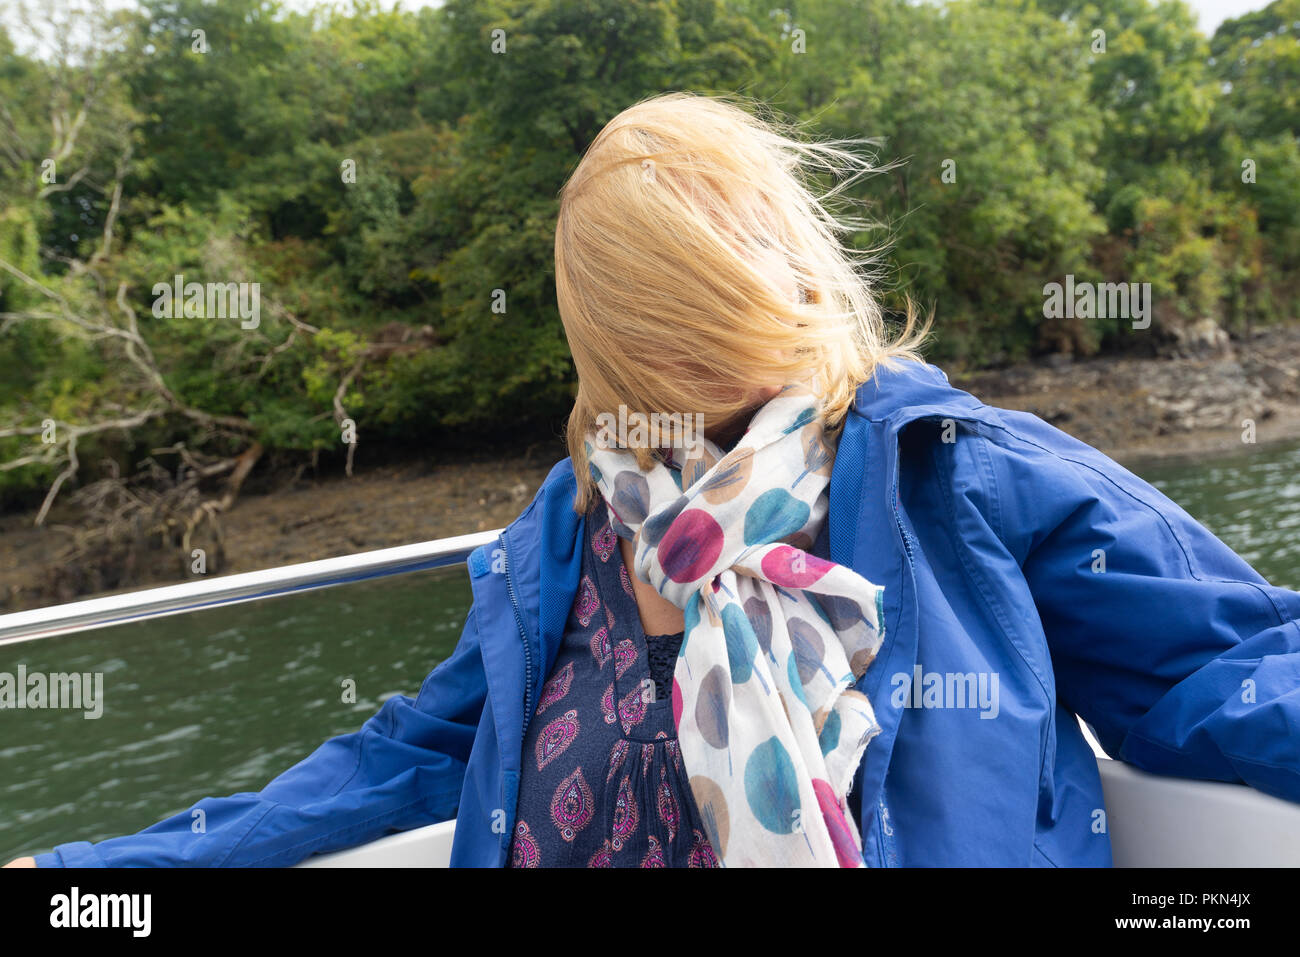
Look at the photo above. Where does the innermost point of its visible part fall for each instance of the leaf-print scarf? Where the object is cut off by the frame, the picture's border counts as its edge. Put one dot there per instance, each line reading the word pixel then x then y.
pixel 770 727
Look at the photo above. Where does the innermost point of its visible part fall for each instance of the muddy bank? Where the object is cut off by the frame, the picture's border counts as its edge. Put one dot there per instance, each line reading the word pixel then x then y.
pixel 298 521
pixel 1132 409
pixel 1213 400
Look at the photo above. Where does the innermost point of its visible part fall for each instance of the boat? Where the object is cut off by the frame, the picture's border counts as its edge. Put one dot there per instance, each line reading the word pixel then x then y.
pixel 1152 820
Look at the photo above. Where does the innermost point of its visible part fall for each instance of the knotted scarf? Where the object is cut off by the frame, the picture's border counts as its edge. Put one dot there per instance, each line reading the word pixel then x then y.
pixel 770 728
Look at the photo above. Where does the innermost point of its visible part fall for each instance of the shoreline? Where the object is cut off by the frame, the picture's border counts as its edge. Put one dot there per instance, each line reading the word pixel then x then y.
pixel 1137 411
pixel 1223 399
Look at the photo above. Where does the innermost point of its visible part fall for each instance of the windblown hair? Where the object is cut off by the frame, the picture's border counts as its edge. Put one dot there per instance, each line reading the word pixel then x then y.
pixel 664 304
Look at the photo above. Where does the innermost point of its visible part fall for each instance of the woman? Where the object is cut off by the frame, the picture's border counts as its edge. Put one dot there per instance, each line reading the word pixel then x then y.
pixel 849 622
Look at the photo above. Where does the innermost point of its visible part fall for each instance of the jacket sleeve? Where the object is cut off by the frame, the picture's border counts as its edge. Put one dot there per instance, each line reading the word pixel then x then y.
pixel 403 769
pixel 1183 659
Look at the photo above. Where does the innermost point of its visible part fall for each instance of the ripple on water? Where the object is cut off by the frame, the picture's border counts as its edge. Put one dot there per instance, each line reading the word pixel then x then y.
pixel 1251 501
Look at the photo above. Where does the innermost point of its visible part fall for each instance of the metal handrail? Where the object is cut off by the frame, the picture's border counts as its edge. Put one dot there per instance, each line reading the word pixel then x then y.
pixel 77 616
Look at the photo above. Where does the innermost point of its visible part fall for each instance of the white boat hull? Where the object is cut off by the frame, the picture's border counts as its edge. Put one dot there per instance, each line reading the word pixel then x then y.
pixel 1153 821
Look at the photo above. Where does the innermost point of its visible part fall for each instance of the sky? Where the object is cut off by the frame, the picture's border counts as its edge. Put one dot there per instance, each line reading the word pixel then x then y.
pixel 1210 13
pixel 1213 12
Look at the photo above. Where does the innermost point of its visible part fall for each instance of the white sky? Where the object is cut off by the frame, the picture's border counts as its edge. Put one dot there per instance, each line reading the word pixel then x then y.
pixel 1213 12
pixel 1210 13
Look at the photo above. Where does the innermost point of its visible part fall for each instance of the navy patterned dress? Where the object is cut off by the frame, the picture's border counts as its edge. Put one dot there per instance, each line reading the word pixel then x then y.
pixel 602 782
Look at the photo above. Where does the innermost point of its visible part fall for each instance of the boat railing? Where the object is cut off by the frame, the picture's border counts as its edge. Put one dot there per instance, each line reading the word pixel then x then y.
pixel 202 594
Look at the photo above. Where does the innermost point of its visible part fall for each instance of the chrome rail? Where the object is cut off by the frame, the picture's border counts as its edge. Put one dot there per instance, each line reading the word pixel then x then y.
pixel 149 603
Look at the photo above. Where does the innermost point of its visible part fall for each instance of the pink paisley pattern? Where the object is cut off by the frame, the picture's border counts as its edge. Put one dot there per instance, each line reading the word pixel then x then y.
pixel 626 815
pixel 587 602
pixel 602 857
pixel 617 755
pixel 607 705
pixel 631 710
pixel 603 543
pixel 572 805
pixel 524 852
pixel 624 657
pixel 600 647
pixel 625 581
pixel 556 688
pixel 655 856
pixel 701 852
pixel 667 808
pixel 556 737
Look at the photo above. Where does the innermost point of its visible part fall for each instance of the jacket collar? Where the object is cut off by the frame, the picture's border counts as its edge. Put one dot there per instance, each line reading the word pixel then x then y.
pixel 907 391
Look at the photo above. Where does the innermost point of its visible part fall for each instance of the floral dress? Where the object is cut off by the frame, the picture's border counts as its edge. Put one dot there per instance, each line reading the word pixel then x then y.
pixel 602 782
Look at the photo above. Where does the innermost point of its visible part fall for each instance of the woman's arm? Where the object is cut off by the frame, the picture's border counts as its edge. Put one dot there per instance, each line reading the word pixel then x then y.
pixel 1181 656
pixel 402 770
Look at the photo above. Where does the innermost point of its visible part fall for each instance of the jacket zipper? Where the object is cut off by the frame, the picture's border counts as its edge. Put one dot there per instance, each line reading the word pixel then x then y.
pixel 528 678
pixel 902 531
pixel 523 635
pixel 885 838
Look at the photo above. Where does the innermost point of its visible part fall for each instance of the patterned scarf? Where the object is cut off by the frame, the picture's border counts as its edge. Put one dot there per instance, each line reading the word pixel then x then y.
pixel 770 728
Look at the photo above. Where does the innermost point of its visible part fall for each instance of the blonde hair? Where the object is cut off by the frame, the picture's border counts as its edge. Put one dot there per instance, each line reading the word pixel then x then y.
pixel 663 306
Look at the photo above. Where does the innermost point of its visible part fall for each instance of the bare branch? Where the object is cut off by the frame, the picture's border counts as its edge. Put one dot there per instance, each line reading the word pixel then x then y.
pixel 114 205
pixel 63 476
pixel 63 187
pixel 43 458
pixel 23 277
pixel 340 414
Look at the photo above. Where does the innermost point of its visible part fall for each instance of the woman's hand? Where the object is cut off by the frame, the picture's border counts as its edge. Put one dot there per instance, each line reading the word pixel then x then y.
pixel 22 862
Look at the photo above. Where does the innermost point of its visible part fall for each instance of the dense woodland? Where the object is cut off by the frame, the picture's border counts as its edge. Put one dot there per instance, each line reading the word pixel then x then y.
pixel 380 173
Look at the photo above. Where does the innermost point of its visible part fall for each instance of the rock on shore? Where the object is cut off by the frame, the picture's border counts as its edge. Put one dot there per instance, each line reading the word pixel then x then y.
pixel 1204 400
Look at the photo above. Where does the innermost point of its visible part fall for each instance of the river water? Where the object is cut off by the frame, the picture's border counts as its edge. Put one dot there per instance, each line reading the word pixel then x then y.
pixel 221 701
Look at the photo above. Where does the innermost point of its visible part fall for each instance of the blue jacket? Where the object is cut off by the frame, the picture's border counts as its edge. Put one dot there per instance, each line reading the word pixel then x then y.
pixel 1015 560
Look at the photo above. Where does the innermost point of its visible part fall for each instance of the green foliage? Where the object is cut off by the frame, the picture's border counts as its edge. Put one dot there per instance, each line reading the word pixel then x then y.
pixel 389 179
pixel 994 193
pixel 1193 244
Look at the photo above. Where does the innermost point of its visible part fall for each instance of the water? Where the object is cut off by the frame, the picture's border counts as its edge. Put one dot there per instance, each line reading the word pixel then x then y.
pixel 1250 500
pixel 221 701
pixel 211 703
